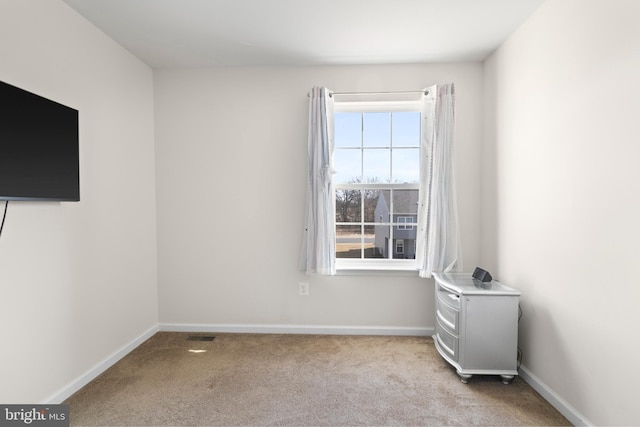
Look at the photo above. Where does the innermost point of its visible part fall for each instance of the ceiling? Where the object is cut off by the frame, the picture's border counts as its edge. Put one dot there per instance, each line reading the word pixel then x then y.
pixel 204 33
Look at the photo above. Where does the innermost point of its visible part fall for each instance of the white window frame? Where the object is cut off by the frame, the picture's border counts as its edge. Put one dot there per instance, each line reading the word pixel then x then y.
pixel 403 223
pixel 400 246
pixel 378 266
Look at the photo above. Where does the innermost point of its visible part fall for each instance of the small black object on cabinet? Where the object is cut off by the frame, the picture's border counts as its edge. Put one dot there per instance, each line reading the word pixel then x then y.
pixel 482 275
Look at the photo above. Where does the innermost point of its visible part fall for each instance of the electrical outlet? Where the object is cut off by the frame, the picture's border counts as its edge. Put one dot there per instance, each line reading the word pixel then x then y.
pixel 303 288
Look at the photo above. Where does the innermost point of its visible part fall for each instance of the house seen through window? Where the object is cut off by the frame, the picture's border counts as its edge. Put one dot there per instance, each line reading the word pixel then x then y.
pixel 377 164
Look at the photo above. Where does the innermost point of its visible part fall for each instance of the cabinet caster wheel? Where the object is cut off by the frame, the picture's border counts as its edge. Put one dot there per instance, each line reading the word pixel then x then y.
pixel 464 378
pixel 506 379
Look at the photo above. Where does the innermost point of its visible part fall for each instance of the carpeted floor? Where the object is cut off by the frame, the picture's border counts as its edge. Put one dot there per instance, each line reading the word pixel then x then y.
pixel 301 380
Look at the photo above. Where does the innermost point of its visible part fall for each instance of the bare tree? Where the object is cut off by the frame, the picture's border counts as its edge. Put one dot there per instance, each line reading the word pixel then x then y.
pixel 350 203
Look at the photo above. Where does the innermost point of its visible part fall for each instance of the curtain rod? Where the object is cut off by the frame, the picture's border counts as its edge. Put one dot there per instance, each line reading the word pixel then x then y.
pixel 425 91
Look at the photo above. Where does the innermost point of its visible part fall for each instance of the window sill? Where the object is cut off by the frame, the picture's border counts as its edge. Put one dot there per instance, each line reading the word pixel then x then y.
pixel 348 267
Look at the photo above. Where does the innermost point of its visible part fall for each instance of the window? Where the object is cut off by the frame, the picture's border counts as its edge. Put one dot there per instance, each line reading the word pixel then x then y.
pixel 403 220
pixel 374 142
pixel 377 163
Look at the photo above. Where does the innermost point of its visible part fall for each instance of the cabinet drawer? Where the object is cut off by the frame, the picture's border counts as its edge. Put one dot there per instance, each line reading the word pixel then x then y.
pixel 450 299
pixel 447 315
pixel 447 340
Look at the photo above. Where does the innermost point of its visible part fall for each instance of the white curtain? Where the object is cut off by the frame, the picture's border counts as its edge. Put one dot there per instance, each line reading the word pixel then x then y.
pixel 319 244
pixel 438 245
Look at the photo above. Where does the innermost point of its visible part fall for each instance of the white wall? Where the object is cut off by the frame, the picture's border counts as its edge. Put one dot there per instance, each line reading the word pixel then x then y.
pixel 562 199
pixel 231 167
pixel 77 280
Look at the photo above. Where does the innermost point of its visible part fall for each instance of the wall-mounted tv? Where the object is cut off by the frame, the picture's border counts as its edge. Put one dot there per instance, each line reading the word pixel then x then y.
pixel 38 148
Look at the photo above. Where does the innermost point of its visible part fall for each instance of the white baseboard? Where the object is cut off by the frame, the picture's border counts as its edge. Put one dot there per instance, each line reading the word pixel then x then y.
pixel 297 329
pixel 90 375
pixel 569 412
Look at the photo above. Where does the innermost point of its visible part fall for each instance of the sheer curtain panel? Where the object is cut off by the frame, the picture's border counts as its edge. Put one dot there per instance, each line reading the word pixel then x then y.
pixel 438 246
pixel 319 244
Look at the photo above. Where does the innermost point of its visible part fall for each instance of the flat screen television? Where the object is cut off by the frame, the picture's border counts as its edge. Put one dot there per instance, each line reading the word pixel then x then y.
pixel 39 157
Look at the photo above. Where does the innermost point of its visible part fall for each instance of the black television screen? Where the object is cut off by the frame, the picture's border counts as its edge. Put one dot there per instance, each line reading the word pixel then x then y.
pixel 38 148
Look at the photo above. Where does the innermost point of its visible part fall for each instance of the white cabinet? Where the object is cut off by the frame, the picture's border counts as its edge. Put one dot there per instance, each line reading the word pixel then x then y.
pixel 477 325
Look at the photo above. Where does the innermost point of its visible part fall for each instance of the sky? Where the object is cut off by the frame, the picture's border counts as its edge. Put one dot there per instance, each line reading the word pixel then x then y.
pixel 382 145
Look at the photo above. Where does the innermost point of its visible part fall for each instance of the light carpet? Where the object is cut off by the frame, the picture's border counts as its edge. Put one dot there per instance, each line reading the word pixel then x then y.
pixel 301 380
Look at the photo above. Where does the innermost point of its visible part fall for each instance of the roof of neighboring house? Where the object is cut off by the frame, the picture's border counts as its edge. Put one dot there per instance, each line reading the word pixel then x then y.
pixel 404 201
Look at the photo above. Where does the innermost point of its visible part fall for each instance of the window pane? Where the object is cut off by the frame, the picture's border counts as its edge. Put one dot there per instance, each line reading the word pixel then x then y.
pixel 406 165
pixel 381 241
pixel 408 250
pixel 376 166
pixel 406 129
pixel 371 250
pixel 405 203
pixel 348 204
pixel 405 206
pixel 347 165
pixel 383 206
pixel 348 241
pixel 348 129
pixel 404 249
pixel 377 130
pixel 372 209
